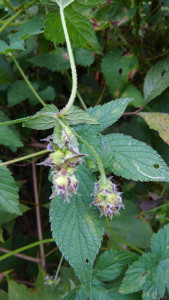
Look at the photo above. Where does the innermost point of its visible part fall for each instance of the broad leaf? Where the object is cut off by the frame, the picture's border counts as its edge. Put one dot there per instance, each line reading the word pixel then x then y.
pixel 130 228
pixel 135 160
pixel 133 92
pixel 80 29
pixel 82 4
pixel 78 116
pixel 118 70
pixel 8 192
pixel 83 57
pixel 112 263
pixel 63 3
pixel 156 80
pixel 150 273
pixel 8 134
pixel 43 119
pixel 159 122
pixel 106 115
pixel 19 92
pixel 77 227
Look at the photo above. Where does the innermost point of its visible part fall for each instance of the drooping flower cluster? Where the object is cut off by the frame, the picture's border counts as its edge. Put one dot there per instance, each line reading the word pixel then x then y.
pixel 107 198
pixel 64 160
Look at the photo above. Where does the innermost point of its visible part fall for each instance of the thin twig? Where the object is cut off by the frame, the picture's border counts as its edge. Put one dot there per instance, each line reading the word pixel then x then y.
pixel 50 252
pixel 23 256
pixel 38 217
pixel 134 112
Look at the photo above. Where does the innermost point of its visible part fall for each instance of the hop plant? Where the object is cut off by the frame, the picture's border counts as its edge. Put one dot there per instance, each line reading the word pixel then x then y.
pixel 107 198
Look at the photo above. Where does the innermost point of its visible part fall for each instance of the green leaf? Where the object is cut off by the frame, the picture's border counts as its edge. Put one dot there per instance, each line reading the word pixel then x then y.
pixel 132 92
pixel 6 217
pixel 106 115
pixel 48 94
pixel 83 4
pixel 83 57
pixel 156 80
pixel 3 47
pixel 112 263
pixel 78 116
pixel 8 192
pixel 78 222
pixel 159 122
pixel 56 61
pixel 80 29
pixel 129 228
pixel 19 92
pixel 118 70
pixel 135 160
pixel 43 119
pixel 8 134
pixel 63 3
pixel 150 273
pixel 31 27
pixel 3 295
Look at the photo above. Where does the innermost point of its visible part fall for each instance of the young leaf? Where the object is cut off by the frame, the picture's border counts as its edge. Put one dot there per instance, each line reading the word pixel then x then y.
pixel 135 160
pixel 118 70
pixel 150 273
pixel 80 29
pixel 8 192
pixel 156 80
pixel 8 134
pixel 43 119
pixel 112 263
pixel 78 116
pixel 106 115
pixel 159 122
pixel 77 227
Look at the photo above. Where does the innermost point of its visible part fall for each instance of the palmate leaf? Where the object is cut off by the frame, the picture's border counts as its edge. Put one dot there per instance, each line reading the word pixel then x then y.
pixel 8 192
pixel 80 29
pixel 151 272
pixel 77 227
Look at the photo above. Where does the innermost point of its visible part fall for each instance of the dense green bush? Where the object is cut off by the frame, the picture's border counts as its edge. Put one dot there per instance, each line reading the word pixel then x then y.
pixel 61 64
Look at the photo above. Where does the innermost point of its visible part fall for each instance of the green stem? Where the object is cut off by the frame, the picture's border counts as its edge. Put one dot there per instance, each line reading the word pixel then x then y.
pixel 58 269
pixel 8 4
pixel 9 162
pixel 72 64
pixel 15 121
pixel 10 20
pixel 26 248
pixel 28 82
pixel 121 240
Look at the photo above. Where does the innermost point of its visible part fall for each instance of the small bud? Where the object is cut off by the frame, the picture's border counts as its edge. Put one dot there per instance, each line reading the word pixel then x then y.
pixel 64 184
pixel 107 198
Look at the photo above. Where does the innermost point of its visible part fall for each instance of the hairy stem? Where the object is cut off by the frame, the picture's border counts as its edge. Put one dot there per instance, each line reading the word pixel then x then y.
pixel 73 66
pixel 121 240
pixel 28 82
pixel 9 162
pixel 38 217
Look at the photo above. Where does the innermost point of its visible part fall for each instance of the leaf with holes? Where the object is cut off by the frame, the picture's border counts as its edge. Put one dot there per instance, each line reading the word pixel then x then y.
pixel 156 80
pixel 8 192
pixel 8 135
pixel 80 29
pixel 159 122
pixel 150 272
pixel 106 115
pixel 43 119
pixel 135 160
pixel 118 70
pixel 112 263
pixel 77 227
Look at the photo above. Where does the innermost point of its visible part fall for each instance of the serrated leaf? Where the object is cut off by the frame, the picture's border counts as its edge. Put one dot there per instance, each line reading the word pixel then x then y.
pixel 80 29
pixel 43 119
pixel 19 92
pixel 29 28
pixel 106 115
pixel 118 70
pixel 150 272
pixel 156 80
pixel 135 160
pixel 84 57
pixel 56 61
pixel 112 263
pixel 8 134
pixel 8 192
pixel 63 3
pixel 78 116
pixel 159 122
pixel 77 227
